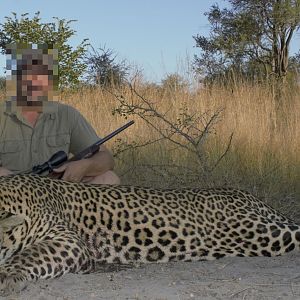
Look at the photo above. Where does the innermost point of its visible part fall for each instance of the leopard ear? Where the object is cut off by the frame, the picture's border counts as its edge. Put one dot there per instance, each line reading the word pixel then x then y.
pixel 11 222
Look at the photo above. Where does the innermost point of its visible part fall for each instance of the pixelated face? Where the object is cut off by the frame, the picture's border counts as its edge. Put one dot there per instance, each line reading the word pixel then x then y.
pixel 36 85
pixel 32 74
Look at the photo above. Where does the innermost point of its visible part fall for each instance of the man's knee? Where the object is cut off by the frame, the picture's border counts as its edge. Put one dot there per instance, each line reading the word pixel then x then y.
pixel 108 177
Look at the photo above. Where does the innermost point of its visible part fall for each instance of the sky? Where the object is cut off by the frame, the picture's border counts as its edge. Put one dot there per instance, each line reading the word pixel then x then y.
pixel 154 35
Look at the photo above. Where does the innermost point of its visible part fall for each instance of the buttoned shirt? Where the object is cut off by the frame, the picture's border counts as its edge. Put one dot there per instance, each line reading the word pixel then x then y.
pixel 58 127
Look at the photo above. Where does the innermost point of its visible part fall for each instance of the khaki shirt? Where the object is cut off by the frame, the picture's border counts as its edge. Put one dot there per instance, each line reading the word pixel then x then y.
pixel 59 127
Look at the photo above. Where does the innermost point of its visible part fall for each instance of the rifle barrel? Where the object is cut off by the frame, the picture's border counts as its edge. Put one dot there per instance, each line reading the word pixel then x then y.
pixel 108 137
pixel 91 150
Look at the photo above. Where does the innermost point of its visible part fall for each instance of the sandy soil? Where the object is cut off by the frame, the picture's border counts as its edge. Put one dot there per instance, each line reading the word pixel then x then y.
pixel 228 278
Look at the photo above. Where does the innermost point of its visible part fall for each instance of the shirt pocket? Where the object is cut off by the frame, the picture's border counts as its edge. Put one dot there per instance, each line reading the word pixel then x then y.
pixel 58 142
pixel 11 155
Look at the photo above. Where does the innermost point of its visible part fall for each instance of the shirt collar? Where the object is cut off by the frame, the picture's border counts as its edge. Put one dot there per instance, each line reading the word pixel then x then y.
pixel 49 108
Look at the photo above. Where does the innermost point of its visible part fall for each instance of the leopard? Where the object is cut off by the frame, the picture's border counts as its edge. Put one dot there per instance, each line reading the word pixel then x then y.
pixel 50 227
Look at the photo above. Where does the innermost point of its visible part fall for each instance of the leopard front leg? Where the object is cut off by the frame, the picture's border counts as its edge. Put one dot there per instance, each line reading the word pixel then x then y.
pixel 60 252
pixel 11 283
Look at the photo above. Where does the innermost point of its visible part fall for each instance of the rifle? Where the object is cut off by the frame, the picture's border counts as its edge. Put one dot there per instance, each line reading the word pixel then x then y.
pixel 61 157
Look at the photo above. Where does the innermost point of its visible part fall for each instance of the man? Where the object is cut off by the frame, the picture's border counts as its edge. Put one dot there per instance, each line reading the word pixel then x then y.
pixel 32 128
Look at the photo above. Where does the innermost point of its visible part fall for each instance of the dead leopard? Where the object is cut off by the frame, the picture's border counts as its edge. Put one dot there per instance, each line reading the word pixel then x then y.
pixel 50 227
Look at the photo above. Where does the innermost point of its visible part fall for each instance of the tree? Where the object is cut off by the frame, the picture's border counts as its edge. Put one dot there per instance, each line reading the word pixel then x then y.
pixel 174 82
pixel 26 30
pixel 294 64
pixel 104 69
pixel 2 83
pixel 252 37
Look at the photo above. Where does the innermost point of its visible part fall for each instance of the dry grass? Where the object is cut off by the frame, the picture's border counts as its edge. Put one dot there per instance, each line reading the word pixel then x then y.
pixel 264 156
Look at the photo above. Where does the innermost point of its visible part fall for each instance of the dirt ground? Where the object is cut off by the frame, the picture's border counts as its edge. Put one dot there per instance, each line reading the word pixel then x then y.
pixel 228 278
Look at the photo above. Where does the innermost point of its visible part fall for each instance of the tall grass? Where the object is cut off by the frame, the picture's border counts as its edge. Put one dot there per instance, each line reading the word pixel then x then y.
pixel 264 156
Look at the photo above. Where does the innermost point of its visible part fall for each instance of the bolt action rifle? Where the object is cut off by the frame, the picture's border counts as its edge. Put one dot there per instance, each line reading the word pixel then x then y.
pixel 61 157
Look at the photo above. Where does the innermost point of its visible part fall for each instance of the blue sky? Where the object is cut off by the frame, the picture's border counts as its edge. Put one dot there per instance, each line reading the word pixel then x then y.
pixel 155 35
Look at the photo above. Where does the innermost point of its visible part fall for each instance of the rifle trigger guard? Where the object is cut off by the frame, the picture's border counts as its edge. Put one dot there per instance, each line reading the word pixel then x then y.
pixel 50 167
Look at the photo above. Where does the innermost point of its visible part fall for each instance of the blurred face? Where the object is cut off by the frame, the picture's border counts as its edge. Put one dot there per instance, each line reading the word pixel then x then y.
pixel 36 85
pixel 32 77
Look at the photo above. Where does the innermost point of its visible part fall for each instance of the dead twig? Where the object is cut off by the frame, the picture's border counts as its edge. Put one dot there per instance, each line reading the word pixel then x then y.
pixel 187 131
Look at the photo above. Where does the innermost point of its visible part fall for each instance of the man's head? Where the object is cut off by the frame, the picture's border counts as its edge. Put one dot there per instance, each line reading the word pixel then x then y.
pixel 32 74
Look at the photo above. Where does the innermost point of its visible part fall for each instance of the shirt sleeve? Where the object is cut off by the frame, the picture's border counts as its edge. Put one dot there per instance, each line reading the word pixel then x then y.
pixel 82 133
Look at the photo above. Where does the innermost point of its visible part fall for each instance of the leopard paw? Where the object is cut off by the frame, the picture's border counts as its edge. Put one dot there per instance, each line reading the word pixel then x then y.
pixel 11 283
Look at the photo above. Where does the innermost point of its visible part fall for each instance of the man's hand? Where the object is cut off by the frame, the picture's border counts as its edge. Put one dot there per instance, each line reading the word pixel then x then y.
pixel 5 172
pixel 74 171
pixel 98 164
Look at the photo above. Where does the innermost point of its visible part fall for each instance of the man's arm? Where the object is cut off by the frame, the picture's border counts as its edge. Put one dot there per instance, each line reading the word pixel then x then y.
pixel 83 135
